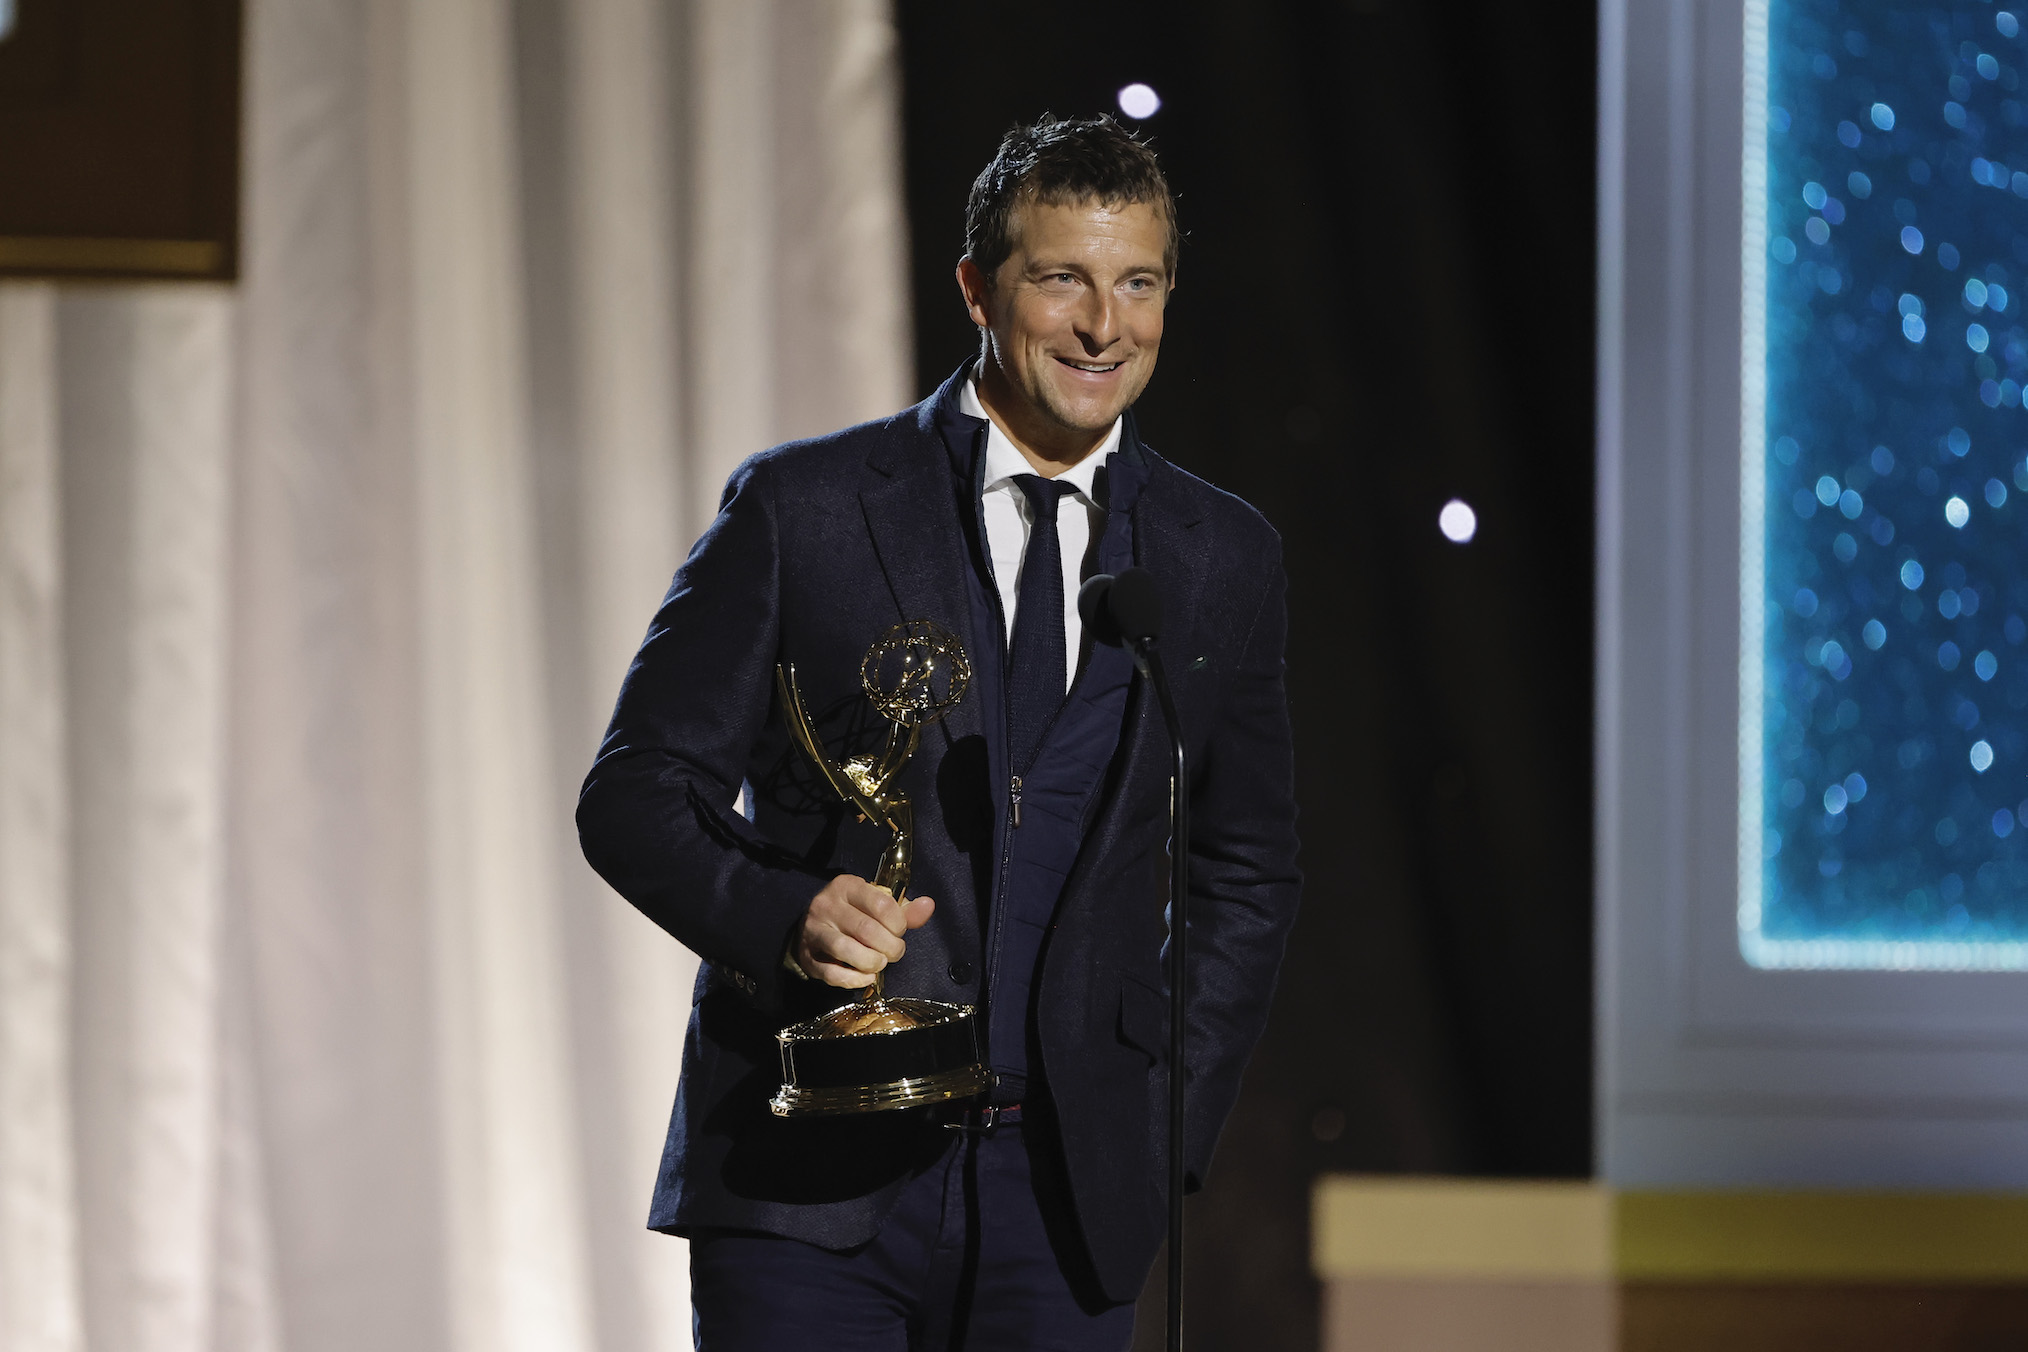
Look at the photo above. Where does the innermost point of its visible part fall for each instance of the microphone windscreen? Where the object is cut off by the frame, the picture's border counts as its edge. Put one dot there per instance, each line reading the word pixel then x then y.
pixel 1136 604
pixel 1093 609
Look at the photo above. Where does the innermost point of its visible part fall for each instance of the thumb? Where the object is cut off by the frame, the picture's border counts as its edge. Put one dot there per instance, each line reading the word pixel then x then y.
pixel 917 911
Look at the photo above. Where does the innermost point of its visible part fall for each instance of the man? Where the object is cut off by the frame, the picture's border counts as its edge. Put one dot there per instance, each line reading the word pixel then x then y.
pixel 1027 1220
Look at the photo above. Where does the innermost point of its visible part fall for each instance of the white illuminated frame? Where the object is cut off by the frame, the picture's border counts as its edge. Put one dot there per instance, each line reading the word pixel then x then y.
pixel 1719 1065
pixel 1926 955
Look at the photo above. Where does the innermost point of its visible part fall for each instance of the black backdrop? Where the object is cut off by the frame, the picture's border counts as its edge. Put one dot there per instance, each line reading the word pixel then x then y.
pixel 1385 301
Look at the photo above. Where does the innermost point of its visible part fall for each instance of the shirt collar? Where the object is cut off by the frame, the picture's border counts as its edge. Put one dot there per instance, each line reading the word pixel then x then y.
pixel 1004 460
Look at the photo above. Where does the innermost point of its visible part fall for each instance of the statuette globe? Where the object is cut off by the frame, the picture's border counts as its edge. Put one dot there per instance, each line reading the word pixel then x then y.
pixel 915 673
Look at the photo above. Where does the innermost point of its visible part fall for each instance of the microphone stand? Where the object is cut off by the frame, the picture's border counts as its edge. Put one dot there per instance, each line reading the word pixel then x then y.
pixel 1148 657
pixel 1127 609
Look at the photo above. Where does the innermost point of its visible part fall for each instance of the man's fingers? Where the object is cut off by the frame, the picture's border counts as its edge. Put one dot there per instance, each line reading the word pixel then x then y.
pixel 875 933
pixel 854 929
pixel 876 902
pixel 835 948
pixel 833 974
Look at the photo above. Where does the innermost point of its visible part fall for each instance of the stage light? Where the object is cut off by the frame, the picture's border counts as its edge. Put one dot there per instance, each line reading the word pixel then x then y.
pixel 1140 102
pixel 1458 521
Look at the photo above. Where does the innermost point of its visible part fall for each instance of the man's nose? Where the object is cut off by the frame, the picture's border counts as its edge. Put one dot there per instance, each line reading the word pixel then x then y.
pixel 1098 327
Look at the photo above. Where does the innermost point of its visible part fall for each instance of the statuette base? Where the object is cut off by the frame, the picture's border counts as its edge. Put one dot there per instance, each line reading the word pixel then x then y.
pixel 876 1055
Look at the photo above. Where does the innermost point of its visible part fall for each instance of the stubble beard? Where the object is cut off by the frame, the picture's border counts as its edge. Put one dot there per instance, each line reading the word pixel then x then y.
pixel 1058 411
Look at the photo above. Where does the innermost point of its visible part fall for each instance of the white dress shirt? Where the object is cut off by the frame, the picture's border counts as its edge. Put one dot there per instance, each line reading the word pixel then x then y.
pixel 1006 511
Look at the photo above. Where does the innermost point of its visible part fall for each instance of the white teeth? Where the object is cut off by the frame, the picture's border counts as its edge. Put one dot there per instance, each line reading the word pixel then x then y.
pixel 1092 366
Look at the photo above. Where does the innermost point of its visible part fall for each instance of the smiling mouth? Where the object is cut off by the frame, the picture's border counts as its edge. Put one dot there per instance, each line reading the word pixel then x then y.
pixel 1093 367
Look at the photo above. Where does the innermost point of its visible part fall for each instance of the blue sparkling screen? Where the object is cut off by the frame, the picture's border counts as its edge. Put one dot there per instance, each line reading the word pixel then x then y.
pixel 1892 817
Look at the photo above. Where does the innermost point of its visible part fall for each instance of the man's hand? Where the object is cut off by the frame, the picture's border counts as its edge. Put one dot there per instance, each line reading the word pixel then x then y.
pixel 853 929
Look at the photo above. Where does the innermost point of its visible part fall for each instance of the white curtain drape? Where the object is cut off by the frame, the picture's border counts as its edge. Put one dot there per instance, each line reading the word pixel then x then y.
pixel 316 1035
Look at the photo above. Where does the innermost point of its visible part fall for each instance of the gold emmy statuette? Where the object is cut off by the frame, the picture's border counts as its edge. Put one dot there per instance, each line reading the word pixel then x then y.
pixel 876 1053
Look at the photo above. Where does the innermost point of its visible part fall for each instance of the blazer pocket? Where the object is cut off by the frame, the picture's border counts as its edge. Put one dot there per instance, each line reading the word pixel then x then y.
pixel 1144 1016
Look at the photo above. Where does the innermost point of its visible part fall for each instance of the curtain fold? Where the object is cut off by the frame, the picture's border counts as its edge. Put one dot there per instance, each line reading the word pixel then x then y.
pixel 315 1032
pixel 39 1280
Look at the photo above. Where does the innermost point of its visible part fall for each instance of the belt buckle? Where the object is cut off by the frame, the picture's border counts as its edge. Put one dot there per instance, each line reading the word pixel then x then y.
pixel 989 1118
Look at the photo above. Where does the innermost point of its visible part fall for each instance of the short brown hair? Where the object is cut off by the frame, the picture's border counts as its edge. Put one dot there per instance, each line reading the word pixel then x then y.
pixel 1057 162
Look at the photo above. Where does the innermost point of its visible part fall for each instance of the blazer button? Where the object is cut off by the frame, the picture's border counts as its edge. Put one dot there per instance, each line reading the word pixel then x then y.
pixel 961 972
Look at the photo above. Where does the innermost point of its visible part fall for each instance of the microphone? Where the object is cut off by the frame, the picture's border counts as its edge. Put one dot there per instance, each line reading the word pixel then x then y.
pixel 1122 609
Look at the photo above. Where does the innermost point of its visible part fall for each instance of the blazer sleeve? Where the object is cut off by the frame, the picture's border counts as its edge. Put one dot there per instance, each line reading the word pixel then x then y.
pixel 1244 883
pixel 657 816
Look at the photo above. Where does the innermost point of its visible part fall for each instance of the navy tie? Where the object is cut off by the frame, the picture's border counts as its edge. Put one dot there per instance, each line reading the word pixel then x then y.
pixel 1036 676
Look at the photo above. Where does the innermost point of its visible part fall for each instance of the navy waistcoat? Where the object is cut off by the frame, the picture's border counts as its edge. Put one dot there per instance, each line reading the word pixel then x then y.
pixel 1059 789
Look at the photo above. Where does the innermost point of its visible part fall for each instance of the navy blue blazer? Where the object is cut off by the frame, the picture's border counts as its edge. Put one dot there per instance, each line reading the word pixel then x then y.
pixel 820 546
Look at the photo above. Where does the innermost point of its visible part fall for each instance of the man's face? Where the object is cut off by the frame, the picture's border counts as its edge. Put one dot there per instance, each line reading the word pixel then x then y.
pixel 1075 313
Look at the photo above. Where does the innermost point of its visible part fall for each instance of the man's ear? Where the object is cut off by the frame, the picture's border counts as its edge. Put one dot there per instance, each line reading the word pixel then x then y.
pixel 972 282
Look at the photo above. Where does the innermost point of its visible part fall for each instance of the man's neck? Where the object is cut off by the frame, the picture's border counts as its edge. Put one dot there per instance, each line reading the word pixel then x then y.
pixel 1049 447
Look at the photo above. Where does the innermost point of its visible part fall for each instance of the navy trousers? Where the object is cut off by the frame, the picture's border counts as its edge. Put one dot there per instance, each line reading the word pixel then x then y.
pixel 979 1254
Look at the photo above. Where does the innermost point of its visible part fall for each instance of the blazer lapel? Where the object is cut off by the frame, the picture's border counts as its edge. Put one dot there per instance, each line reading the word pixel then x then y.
pixel 1165 543
pixel 911 502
